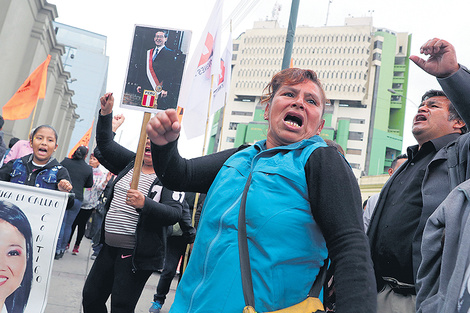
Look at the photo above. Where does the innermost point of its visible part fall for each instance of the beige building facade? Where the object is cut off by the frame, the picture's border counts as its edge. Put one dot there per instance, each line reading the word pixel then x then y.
pixel 27 37
pixel 347 60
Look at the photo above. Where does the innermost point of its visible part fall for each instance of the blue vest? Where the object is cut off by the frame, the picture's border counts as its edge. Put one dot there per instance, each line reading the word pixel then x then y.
pixel 46 178
pixel 286 245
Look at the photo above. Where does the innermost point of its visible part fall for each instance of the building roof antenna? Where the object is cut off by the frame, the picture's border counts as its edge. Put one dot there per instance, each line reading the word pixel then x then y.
pixel 328 11
pixel 276 11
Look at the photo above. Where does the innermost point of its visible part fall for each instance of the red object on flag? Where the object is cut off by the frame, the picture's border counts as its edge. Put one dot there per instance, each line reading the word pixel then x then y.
pixel 223 83
pixel 148 98
pixel 196 85
pixel 82 142
pixel 26 97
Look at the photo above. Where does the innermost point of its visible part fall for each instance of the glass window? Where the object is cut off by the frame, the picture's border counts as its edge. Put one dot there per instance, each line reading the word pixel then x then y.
pixel 353 151
pixel 378 44
pixel 357 121
pixel 359 136
pixel 242 113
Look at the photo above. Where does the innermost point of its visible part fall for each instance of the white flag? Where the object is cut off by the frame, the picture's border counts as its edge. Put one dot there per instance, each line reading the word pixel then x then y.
pixel 222 81
pixel 196 84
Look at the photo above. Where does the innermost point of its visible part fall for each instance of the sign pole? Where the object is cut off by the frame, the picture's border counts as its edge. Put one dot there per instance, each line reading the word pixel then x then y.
pixel 140 152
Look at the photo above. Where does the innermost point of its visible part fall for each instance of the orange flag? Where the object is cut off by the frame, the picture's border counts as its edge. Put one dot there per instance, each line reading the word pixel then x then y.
pixel 24 100
pixel 82 142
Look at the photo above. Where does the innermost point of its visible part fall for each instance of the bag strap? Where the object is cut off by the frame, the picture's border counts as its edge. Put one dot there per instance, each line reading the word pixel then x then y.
pixel 452 164
pixel 318 283
pixel 245 268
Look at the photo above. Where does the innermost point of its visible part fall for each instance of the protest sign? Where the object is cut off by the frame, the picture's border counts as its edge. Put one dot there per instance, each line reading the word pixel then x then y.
pixel 155 68
pixel 30 221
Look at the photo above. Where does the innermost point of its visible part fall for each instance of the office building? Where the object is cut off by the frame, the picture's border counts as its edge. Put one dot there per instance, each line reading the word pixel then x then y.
pixel 363 69
pixel 85 58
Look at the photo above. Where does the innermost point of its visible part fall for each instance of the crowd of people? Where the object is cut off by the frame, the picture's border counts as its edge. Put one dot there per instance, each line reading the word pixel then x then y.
pixel 275 214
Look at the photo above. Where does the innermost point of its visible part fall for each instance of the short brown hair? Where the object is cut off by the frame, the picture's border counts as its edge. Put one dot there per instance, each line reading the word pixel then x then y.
pixel 290 77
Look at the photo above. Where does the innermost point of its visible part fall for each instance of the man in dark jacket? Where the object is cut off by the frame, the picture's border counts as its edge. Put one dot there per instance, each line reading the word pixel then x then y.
pixel 416 189
pixel 443 276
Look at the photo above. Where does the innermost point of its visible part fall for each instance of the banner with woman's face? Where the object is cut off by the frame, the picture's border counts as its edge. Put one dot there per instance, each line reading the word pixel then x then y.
pixel 30 220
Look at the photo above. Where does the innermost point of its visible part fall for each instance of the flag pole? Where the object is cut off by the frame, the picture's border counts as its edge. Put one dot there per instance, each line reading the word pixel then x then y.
pixel 222 126
pixel 32 119
pixel 225 101
pixel 188 246
pixel 208 117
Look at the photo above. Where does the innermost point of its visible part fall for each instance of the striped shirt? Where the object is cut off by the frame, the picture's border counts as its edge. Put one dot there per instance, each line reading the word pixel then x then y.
pixel 121 218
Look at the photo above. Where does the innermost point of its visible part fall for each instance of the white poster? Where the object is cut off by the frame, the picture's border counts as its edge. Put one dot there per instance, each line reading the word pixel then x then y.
pixel 30 220
pixel 155 68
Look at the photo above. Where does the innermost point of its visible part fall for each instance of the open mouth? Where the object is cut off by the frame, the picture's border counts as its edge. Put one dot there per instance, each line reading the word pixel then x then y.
pixel 147 150
pixel 42 150
pixel 293 120
pixel 420 118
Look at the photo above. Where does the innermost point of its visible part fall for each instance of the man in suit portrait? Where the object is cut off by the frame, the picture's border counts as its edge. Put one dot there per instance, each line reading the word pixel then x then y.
pixel 155 67
pixel 160 72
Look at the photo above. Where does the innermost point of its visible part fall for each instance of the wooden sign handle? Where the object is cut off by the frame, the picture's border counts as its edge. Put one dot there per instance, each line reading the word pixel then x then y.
pixel 140 152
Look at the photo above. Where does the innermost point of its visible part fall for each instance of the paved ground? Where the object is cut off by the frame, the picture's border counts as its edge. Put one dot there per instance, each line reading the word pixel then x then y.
pixel 68 277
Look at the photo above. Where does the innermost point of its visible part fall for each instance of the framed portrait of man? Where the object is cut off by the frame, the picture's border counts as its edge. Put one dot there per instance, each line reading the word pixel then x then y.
pixel 155 69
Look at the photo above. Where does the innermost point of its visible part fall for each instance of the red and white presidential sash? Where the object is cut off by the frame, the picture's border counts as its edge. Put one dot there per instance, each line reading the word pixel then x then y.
pixel 157 86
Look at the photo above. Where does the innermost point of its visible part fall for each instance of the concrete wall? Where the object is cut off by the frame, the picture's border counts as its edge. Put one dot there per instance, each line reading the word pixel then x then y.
pixel 27 37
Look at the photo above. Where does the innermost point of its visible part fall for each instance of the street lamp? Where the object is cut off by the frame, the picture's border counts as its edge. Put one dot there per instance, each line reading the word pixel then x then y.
pixel 394 92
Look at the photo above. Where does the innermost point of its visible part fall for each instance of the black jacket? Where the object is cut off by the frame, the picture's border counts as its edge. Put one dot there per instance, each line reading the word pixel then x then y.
pixel 151 232
pixel 6 169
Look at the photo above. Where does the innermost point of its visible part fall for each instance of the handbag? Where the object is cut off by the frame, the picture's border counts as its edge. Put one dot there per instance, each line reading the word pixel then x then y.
pixel 310 305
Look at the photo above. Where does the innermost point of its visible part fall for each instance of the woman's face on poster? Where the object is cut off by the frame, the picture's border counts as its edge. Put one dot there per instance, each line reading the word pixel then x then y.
pixel 12 259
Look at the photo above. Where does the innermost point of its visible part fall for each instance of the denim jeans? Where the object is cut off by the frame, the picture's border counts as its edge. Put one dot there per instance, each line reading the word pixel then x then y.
pixel 66 228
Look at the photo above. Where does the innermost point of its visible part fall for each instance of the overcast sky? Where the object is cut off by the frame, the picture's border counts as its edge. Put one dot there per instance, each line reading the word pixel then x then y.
pixel 424 19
